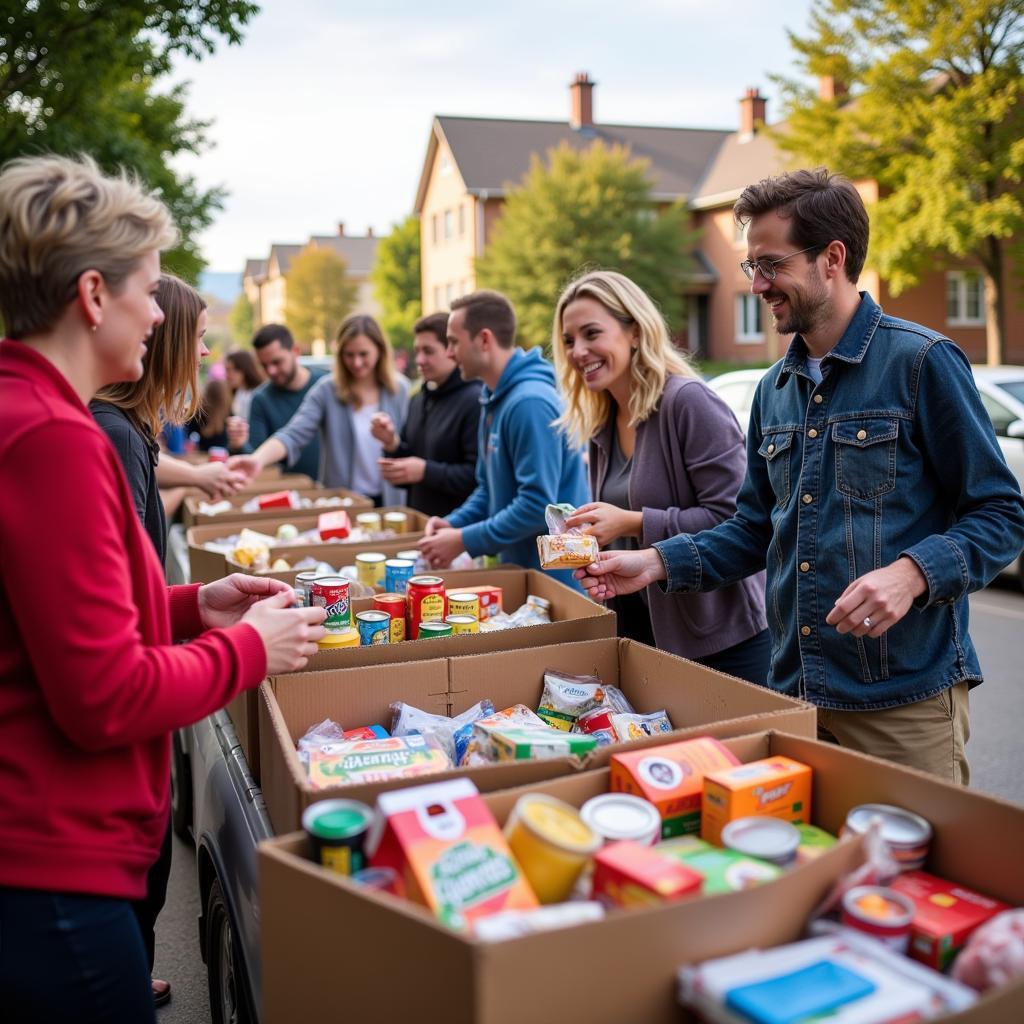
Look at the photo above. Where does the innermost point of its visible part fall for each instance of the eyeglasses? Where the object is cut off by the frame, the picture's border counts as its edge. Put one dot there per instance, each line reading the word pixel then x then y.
pixel 767 267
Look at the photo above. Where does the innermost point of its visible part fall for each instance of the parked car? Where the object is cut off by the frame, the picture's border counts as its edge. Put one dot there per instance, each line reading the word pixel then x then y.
pixel 1002 393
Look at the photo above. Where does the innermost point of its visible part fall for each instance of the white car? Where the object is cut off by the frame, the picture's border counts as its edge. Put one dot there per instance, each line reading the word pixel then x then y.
pixel 1002 393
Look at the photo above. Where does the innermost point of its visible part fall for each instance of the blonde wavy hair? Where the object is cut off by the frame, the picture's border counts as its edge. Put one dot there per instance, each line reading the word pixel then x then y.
pixel 61 217
pixel 386 374
pixel 654 359
pixel 168 390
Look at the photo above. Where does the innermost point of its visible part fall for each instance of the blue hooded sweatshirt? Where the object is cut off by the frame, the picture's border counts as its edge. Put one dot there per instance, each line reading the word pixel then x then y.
pixel 523 464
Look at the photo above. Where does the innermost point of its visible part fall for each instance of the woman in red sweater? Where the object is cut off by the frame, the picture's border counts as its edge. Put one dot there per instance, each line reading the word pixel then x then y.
pixel 91 681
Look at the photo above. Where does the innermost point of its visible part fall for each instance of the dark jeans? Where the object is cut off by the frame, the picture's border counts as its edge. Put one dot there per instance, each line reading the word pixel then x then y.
pixel 147 909
pixel 66 956
pixel 750 660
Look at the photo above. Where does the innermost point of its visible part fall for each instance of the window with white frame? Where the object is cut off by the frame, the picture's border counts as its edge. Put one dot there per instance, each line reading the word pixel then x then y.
pixel 449 222
pixel 748 318
pixel 965 299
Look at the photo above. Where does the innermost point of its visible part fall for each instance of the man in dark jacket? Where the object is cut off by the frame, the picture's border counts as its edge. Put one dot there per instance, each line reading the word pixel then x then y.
pixel 435 455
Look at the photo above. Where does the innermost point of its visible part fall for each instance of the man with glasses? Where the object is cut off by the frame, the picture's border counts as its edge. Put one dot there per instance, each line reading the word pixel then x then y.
pixel 876 495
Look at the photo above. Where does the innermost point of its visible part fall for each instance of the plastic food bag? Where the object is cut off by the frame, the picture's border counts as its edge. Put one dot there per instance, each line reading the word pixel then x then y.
pixel 452 733
pixel 567 697
pixel 318 736
pixel 994 954
pixel 629 727
pixel 561 547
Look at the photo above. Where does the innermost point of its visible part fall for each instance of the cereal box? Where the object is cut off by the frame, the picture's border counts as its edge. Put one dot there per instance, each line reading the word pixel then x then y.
pixel 444 842
pixel 775 787
pixel 627 874
pixel 672 778
pixel 397 757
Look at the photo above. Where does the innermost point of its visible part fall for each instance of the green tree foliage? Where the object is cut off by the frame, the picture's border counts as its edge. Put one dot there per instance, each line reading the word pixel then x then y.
pixel 319 294
pixel 931 111
pixel 83 76
pixel 396 281
pixel 242 319
pixel 581 210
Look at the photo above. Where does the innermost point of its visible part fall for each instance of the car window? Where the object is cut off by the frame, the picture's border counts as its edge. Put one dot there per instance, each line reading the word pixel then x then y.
pixel 999 414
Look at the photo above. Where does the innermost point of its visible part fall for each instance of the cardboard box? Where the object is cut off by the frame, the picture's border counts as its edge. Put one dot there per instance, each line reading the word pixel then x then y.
pixel 700 701
pixel 191 516
pixel 622 968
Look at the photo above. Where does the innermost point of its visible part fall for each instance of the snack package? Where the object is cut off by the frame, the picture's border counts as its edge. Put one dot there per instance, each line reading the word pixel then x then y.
pixel 561 547
pixel 252 549
pixel 355 761
pixel 453 733
pixel 629 727
pixel 565 698
pixel 320 735
pixel 479 749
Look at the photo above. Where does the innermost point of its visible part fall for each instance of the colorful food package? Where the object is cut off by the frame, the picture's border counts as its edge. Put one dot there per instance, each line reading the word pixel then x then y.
pixel 490 600
pixel 538 743
pixel 672 778
pixel 357 761
pixel 629 727
pixel 333 525
pixel 452 733
pixel 562 547
pixel 565 698
pixel 275 499
pixel 994 954
pixel 945 915
pixel 814 842
pixel 252 549
pixel 774 787
pixel 479 749
pixel 721 870
pixel 445 844
pixel 627 874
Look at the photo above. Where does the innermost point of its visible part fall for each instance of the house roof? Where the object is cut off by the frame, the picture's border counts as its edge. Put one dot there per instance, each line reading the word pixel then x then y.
pixel 738 161
pixel 255 270
pixel 358 252
pixel 493 153
pixel 283 254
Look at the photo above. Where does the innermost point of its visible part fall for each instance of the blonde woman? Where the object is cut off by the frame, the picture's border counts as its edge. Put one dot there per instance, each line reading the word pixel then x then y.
pixel 666 457
pixel 341 408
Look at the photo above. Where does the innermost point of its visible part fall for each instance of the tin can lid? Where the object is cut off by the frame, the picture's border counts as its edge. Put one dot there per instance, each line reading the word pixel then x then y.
pixel 332 581
pixel 371 556
pixel 880 905
pixel 373 616
pixel 426 581
pixel 399 563
pixel 346 638
pixel 759 836
pixel 463 597
pixel 435 627
pixel 622 816
pixel 557 823
pixel 336 819
pixel 459 620
pixel 900 827
pixel 389 599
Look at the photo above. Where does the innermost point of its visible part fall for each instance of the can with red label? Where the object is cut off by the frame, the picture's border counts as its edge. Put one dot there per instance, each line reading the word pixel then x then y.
pixel 598 723
pixel 331 592
pixel 217 454
pixel 394 605
pixel 881 912
pixel 427 602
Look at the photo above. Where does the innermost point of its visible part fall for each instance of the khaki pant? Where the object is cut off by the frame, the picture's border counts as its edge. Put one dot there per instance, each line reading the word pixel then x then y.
pixel 929 735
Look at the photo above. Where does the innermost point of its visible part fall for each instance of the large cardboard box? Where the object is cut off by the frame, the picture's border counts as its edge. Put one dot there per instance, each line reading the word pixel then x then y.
pixel 622 968
pixel 191 516
pixel 699 701
pixel 206 566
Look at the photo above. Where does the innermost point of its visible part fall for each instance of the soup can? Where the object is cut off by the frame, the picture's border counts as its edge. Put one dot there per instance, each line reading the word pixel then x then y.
pixel 770 839
pixel 908 835
pixel 304 585
pixel 370 568
pixel 331 593
pixel 368 521
pixel 397 573
pixel 394 606
pixel 397 521
pixel 374 628
pixel 883 913
pixel 427 603
pixel 619 816
pixel 336 641
pixel 464 604
pixel 337 829
pixel 462 624
pixel 434 630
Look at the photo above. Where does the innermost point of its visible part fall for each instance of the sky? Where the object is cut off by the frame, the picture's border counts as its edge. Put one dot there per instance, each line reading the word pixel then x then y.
pixel 323 114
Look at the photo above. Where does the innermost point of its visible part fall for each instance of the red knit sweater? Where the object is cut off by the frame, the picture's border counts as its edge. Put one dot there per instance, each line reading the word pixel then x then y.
pixel 90 684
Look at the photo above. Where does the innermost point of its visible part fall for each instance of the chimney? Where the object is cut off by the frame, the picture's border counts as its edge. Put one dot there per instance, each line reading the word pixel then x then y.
pixel 829 89
pixel 581 89
pixel 341 227
pixel 752 111
pixel 369 232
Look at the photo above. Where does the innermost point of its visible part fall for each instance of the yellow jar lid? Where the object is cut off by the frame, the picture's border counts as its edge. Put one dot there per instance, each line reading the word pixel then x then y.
pixel 557 823
pixel 346 638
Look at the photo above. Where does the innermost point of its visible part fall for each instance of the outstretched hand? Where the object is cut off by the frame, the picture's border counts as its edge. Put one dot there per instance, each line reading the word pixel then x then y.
pixel 616 573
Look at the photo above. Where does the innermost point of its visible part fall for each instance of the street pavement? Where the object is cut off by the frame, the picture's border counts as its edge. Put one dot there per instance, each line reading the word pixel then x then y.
pixel 995 750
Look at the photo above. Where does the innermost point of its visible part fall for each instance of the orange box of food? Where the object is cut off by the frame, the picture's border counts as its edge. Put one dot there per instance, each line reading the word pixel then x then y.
pixel 775 787
pixel 490 600
pixel 333 524
pixel 672 778
pixel 446 846
pixel 627 874
pixel 276 499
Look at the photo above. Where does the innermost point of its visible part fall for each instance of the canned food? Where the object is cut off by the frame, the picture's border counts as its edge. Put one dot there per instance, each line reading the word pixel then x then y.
pixel 883 913
pixel 427 603
pixel 907 834
pixel 334 641
pixel 380 880
pixel 217 454
pixel 332 593
pixel 394 606
pixel 464 604
pixel 598 723
pixel 370 568
pixel 374 628
pixel 338 830
pixel 462 624
pixel 618 816
pixel 770 839
pixel 368 521
pixel 434 630
pixel 304 584
pixel 397 573
pixel 397 521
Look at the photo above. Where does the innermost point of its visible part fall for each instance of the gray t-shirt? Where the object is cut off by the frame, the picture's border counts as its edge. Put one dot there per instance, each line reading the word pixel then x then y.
pixel 615 489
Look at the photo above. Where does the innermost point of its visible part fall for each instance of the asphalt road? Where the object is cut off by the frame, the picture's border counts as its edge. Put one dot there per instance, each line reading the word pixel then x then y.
pixel 996 752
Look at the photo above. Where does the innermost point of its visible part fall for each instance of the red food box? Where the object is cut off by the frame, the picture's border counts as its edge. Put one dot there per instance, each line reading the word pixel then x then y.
pixel 276 499
pixel 627 874
pixel 333 524
pixel 490 600
pixel 945 914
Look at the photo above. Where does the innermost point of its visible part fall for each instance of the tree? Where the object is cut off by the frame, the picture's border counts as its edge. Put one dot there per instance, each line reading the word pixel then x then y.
pixel 82 76
pixel 319 294
pixel 578 211
pixel 929 107
pixel 396 281
pixel 242 319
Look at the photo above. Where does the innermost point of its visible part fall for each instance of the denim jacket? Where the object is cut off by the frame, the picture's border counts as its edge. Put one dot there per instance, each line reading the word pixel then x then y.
pixel 892 454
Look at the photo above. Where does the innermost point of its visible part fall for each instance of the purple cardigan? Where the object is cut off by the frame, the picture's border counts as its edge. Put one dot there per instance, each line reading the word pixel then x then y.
pixel 688 464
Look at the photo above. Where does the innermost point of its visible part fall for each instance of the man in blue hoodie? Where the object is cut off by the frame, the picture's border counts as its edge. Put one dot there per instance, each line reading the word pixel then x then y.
pixel 523 463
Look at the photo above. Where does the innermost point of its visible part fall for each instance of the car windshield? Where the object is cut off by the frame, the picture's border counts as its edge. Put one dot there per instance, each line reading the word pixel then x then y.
pixel 1014 388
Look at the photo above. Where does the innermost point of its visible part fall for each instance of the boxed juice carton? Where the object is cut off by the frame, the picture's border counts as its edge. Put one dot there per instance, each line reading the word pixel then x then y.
pixel 775 787
pixel 627 874
pixel 375 760
pixel 945 914
pixel 445 844
pixel 672 778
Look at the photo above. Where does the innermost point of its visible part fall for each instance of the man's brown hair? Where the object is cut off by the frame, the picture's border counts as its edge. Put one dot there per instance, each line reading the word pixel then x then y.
pixel 435 324
pixel 821 207
pixel 491 310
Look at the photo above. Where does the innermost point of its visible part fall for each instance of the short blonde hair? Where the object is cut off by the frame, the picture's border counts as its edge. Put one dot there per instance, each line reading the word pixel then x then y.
pixel 61 217
pixel 386 374
pixel 654 359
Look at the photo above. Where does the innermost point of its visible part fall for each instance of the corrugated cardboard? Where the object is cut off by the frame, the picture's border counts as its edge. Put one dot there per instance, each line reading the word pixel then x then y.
pixel 620 969
pixel 699 702
pixel 191 516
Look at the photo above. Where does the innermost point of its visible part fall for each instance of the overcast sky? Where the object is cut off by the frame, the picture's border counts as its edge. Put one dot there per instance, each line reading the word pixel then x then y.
pixel 323 113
